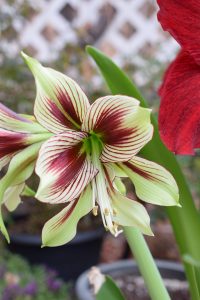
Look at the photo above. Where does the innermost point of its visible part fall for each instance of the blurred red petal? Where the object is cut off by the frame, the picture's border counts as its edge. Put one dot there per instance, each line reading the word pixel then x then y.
pixel 179 116
pixel 181 20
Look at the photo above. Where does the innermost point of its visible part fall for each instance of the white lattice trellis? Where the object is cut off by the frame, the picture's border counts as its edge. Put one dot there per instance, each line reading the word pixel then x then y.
pixel 128 31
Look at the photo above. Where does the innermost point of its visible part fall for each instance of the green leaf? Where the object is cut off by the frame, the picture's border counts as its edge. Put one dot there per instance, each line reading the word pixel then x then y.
pixel 116 80
pixel 109 290
pixel 196 270
pixel 190 260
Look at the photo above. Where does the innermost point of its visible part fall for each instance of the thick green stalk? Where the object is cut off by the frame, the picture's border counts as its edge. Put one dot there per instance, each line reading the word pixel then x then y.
pixel 146 264
pixel 186 220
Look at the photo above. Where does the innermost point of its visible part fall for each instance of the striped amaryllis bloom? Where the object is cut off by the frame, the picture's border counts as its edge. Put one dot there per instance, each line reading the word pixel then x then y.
pixel 93 145
pixel 16 134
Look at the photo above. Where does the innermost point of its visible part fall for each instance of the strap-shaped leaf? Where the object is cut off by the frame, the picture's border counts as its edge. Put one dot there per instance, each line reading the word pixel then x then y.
pixel 109 290
pixel 195 264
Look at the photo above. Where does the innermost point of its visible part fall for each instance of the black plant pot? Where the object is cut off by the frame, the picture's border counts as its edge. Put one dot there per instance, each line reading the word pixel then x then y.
pixel 124 267
pixel 69 260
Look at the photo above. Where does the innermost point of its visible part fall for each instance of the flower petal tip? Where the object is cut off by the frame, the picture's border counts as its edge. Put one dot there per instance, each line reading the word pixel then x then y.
pixel 149 231
pixel 5 234
pixel 31 62
pixel 24 55
pixel 179 205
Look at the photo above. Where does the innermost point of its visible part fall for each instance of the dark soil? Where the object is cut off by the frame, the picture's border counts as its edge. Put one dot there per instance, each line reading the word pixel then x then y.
pixel 134 289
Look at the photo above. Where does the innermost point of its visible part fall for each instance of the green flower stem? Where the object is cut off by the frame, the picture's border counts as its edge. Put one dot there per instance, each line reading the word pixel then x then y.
pixel 146 264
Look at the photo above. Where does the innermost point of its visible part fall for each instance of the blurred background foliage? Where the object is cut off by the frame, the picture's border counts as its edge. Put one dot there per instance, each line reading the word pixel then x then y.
pixel 20 281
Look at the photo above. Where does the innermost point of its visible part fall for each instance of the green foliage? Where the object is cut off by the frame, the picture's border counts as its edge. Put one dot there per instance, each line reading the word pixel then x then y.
pixel 195 264
pixel 20 281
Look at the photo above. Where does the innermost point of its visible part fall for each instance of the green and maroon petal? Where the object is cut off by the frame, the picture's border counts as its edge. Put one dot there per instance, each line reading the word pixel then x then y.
pixel 60 102
pixel 10 143
pixel 11 121
pixel 130 213
pixel 63 168
pixel 122 125
pixel 152 182
pixel 62 227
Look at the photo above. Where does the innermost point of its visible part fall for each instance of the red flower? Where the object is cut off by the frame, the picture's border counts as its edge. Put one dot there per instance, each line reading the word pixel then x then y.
pixel 179 116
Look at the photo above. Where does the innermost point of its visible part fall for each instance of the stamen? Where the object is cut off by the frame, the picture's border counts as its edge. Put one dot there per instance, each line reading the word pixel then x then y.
pixel 100 189
pixel 106 212
pixel 93 194
pixel 95 210
pixel 114 212
pixel 115 229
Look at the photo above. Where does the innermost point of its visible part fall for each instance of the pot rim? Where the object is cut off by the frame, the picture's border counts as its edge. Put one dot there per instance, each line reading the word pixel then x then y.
pixel 82 285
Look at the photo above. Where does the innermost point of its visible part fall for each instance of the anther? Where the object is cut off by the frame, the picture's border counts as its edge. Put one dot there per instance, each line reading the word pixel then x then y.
pixel 106 212
pixel 95 210
pixel 115 228
pixel 114 212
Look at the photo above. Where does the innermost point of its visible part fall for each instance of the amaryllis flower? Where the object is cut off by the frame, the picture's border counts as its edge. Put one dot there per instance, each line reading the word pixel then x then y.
pixel 179 117
pixel 93 144
pixel 20 140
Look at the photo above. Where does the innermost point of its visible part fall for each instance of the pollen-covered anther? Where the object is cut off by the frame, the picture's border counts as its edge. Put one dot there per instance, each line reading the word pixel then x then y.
pixel 114 212
pixel 116 230
pixel 95 210
pixel 106 212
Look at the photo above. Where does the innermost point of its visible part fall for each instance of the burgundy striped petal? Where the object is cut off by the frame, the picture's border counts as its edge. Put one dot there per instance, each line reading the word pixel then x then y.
pixel 10 143
pixel 63 168
pixel 181 20
pixel 62 227
pixel 11 121
pixel 123 126
pixel 153 183
pixel 60 102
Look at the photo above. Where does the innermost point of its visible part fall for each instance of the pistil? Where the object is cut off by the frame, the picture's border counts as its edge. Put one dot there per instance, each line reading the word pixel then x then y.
pixel 99 188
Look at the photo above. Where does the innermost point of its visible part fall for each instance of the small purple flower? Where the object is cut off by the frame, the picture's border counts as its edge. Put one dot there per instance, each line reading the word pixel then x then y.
pixel 31 289
pixel 51 273
pixel 11 292
pixel 53 284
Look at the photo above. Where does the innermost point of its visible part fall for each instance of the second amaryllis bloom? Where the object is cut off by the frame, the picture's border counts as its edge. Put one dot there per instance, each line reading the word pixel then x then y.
pixel 179 115
pixel 18 134
pixel 91 147
pixel 20 140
